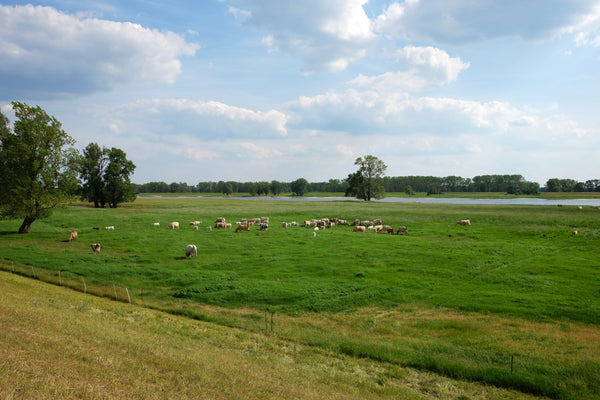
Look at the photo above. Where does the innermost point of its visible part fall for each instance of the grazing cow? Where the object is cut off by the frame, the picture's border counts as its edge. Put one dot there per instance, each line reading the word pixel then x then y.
pixel 72 236
pixel 208 228
pixel 241 227
pixel 342 222
pixel 264 226
pixel 222 225
pixel 314 234
pixel 156 224
pixel 191 251
pixel 574 233
pixel 463 222
pixel 96 228
pixel 174 225
pixel 402 229
pixel 377 221
pixel 195 228
pixel 96 248
pixel 220 219
pixel 285 225
pixel 366 223
pixel 359 229
pixel 195 223
pixel 388 229
pixel 264 220
pixel 580 208
pixel 110 228
pixel 377 228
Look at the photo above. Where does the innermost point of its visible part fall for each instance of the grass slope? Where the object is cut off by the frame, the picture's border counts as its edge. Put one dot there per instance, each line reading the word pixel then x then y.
pixel 57 343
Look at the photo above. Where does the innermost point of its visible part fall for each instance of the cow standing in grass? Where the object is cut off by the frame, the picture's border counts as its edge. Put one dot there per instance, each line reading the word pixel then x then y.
pixel 191 251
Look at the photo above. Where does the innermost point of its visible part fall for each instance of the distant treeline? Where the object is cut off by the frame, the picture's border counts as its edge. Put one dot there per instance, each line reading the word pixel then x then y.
pixel 511 184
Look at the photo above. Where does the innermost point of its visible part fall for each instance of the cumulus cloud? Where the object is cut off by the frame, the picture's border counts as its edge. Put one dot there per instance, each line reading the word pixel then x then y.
pixel 45 51
pixel 420 67
pixel 326 35
pixel 466 21
pixel 202 119
pixel 369 113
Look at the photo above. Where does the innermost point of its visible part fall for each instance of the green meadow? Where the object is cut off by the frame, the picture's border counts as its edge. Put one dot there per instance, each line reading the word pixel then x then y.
pixel 511 302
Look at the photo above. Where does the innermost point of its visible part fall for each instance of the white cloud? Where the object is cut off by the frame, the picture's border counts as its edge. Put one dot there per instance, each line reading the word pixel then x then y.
pixel 45 51
pixel 210 120
pixel 586 31
pixel 326 35
pixel 420 67
pixel 466 20
pixel 371 113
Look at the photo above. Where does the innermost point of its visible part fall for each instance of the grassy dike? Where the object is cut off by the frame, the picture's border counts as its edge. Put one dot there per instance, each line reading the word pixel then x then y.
pixel 58 343
pixel 509 302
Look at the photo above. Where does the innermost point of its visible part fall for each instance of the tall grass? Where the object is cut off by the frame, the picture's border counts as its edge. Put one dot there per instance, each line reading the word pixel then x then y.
pixel 518 264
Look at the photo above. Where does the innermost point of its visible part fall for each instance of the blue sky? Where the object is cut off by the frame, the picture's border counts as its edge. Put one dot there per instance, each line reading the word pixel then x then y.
pixel 251 90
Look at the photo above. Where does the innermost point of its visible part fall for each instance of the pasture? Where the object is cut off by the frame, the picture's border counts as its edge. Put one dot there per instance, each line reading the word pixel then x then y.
pixel 510 301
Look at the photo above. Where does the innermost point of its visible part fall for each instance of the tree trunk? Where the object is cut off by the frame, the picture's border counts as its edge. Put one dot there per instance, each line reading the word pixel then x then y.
pixel 26 225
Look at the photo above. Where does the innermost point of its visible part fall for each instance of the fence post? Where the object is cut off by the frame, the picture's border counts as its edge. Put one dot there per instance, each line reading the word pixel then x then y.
pixel 512 361
pixel 59 279
pixel 128 296
pixel 84 286
pixel 115 289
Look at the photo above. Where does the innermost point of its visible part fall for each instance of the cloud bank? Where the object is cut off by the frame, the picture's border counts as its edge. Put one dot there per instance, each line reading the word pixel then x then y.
pixel 55 53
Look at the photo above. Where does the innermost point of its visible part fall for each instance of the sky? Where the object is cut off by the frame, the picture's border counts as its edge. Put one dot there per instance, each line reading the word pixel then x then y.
pixel 262 90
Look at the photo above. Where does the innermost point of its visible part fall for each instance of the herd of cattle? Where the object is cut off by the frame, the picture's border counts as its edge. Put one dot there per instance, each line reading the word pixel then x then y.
pixel 262 223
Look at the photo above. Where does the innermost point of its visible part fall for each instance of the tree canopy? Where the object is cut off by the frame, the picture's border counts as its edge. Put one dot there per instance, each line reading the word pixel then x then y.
pixel 299 187
pixel 366 183
pixel 37 165
pixel 105 175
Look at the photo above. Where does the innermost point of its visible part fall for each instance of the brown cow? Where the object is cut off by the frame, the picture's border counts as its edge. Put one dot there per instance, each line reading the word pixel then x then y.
pixel 96 248
pixel 244 227
pixel 463 222
pixel 73 236
pixel 359 229
pixel 402 229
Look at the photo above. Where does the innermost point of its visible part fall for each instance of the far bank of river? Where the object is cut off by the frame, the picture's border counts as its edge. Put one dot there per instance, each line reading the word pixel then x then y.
pixel 428 200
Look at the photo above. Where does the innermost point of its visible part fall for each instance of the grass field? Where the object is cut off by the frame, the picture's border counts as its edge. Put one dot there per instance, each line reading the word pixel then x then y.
pixel 511 301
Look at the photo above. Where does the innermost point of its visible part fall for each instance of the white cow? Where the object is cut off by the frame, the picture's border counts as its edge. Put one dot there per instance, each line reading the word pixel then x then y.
pixel 174 225
pixel 191 251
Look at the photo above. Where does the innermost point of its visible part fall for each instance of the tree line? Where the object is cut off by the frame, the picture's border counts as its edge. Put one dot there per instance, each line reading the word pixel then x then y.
pixel 512 184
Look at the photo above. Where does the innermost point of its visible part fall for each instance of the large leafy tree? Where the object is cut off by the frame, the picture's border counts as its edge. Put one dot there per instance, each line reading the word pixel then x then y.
pixel 106 176
pixel 366 183
pixel 37 165
pixel 91 172
pixel 118 184
pixel 299 187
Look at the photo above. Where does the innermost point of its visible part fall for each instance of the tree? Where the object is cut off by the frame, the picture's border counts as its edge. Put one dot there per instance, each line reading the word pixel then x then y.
pixel 91 172
pixel 299 187
pixel 227 188
pixel 105 175
pixel 366 183
pixel 116 178
pixel 277 188
pixel 37 165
